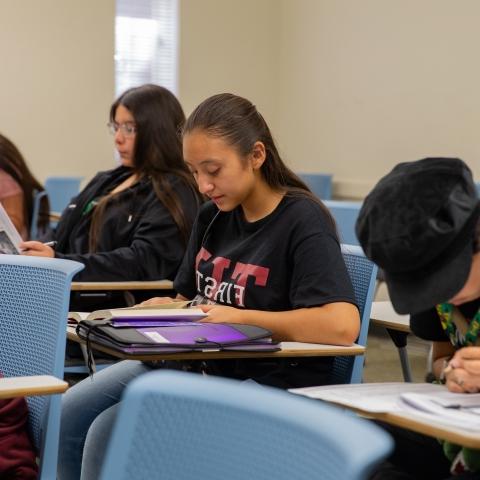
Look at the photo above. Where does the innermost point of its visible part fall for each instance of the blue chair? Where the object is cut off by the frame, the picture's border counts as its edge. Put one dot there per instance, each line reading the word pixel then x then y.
pixel 319 183
pixel 187 426
pixel 345 215
pixel 34 296
pixel 363 273
pixel 477 184
pixel 60 190
pixel 37 202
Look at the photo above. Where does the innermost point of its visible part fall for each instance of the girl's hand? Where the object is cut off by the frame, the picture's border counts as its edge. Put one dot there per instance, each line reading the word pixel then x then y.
pixel 36 249
pixel 463 372
pixel 223 314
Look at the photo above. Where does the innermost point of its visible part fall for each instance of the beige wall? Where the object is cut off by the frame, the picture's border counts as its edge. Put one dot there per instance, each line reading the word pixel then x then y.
pixel 365 85
pixel 348 87
pixel 56 83
pixel 229 46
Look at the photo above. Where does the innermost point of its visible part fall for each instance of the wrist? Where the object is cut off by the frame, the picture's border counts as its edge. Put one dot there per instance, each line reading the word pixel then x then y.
pixel 446 368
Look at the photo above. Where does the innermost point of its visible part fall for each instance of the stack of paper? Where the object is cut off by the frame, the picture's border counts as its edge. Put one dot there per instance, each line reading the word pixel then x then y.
pixel 426 400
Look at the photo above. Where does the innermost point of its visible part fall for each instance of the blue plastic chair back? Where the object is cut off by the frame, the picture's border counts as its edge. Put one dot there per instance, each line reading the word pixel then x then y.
pixel 345 214
pixel 34 297
pixel 477 185
pixel 363 273
pixel 319 183
pixel 60 191
pixel 37 201
pixel 185 426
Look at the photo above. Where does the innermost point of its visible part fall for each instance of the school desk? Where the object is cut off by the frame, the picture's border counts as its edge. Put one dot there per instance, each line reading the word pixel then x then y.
pixel 378 401
pixel 288 349
pixel 95 289
pixel 134 285
pixel 11 387
pixel 398 327
pixel 417 423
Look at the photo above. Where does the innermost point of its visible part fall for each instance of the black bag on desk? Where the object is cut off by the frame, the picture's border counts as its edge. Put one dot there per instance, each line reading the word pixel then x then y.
pixel 177 338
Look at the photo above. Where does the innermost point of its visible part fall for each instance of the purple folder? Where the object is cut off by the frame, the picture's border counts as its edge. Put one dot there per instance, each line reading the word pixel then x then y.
pixel 178 338
pixel 188 335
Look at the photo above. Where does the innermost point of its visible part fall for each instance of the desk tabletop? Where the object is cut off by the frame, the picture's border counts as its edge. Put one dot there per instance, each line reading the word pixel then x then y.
pixel 384 315
pixel 419 424
pixel 288 349
pixel 379 401
pixel 11 387
pixel 134 285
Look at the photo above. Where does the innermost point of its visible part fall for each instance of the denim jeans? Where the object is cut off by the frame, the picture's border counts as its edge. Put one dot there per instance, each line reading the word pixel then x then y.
pixel 88 414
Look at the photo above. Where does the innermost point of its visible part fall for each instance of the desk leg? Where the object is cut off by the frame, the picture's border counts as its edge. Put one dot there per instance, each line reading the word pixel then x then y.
pixel 400 341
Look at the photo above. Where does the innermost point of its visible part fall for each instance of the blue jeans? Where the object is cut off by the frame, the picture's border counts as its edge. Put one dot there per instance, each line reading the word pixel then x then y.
pixel 88 414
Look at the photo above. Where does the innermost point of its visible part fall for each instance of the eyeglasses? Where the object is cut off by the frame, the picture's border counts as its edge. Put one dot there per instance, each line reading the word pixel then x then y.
pixel 127 129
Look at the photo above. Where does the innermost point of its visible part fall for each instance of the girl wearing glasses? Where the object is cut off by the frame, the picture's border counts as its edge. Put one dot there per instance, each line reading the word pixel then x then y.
pixel 132 222
pixel 263 251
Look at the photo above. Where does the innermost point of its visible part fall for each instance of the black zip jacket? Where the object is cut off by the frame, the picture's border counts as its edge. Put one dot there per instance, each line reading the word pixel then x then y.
pixel 138 240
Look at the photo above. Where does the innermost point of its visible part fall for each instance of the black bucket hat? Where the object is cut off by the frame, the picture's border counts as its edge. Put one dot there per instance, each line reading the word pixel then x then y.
pixel 418 225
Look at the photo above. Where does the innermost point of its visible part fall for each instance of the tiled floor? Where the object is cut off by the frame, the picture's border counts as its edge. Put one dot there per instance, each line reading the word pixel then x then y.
pixel 382 362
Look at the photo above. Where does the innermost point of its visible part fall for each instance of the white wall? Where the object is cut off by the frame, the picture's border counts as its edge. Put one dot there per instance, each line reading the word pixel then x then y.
pixel 56 83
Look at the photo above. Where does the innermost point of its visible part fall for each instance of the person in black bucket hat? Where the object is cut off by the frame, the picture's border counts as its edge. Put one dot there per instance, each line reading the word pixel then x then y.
pixel 420 225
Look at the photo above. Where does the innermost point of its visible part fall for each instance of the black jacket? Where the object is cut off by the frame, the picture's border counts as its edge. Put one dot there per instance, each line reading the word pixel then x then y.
pixel 139 239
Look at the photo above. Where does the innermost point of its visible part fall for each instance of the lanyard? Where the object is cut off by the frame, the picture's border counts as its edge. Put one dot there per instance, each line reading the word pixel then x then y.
pixel 453 322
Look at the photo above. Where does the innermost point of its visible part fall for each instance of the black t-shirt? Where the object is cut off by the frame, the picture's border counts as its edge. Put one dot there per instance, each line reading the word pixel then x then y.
pixel 427 324
pixel 289 259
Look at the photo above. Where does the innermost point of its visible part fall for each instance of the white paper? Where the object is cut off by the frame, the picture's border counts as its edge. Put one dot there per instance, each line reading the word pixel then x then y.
pixel 430 402
pixel 371 397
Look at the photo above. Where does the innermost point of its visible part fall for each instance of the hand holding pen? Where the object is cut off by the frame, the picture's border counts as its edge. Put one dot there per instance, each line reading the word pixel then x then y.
pixel 38 249
pixel 462 374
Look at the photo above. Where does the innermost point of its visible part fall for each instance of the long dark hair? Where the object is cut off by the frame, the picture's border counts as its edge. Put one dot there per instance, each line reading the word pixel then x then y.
pixel 13 163
pixel 237 121
pixel 158 150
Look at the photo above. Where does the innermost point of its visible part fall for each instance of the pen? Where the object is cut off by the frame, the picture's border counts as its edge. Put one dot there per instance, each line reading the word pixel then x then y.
pixel 50 244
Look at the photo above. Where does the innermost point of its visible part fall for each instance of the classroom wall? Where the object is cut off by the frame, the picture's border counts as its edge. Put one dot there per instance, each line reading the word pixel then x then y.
pixel 347 87
pixel 365 85
pixel 56 83
pixel 229 46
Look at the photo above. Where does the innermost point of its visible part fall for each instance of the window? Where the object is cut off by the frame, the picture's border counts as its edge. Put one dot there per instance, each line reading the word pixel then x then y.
pixel 146 43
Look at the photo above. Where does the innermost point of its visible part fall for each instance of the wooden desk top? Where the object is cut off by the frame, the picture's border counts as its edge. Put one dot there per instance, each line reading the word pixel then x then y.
pixel 383 314
pixel 419 424
pixel 11 387
pixel 379 401
pixel 135 285
pixel 288 349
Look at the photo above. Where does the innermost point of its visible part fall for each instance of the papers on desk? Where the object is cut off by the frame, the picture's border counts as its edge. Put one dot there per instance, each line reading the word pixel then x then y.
pixel 140 315
pixel 426 400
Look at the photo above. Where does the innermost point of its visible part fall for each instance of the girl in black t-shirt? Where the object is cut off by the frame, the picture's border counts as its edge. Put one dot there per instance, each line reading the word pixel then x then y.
pixel 264 251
